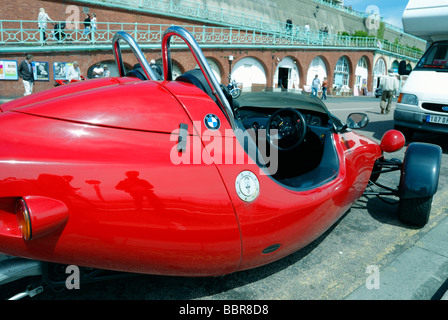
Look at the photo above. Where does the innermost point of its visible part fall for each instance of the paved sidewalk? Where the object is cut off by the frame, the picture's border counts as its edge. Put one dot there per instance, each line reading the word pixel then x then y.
pixel 420 273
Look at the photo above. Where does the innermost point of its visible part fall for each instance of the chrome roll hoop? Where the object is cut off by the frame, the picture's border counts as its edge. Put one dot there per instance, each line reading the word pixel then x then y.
pixel 201 61
pixel 121 35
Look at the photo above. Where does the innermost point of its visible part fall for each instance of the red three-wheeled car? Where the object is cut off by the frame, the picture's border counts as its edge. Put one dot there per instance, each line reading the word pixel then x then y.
pixel 174 177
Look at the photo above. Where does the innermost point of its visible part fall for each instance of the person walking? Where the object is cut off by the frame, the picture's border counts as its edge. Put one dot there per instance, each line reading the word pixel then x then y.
pixel 25 71
pixel 389 84
pixel 42 19
pixel 315 85
pixel 324 89
pixel 86 31
pixel 93 25
pixel 289 25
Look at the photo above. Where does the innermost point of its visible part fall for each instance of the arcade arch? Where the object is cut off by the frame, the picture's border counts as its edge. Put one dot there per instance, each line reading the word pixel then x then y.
pixel 287 75
pixel 361 74
pixel 317 66
pixel 395 66
pixel 379 70
pixel 341 77
pixel 249 72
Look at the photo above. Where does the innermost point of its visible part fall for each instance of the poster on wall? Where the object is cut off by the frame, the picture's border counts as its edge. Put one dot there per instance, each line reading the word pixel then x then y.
pixel 8 70
pixel 60 70
pixel 41 71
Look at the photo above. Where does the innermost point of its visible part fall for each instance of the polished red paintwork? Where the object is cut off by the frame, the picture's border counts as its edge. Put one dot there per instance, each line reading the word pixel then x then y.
pixel 392 141
pixel 102 148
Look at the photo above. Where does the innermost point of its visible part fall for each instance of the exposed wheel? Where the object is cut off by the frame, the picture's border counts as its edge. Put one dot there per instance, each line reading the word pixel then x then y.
pixel 236 92
pixel 415 211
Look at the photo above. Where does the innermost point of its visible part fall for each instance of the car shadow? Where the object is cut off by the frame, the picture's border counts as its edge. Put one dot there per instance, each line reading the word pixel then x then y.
pixel 383 210
pixel 434 138
pixel 154 287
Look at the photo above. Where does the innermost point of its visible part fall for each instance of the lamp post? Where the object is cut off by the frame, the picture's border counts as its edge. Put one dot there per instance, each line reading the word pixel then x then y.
pixel 230 67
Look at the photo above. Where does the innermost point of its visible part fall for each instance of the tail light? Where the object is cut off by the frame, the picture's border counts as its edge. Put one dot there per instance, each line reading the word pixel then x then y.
pixel 23 219
pixel 39 216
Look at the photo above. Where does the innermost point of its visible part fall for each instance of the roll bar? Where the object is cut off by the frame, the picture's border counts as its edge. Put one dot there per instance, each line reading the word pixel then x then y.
pixel 201 61
pixel 121 35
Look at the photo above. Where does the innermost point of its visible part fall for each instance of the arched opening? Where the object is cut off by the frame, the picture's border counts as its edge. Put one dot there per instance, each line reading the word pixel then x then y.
pixel 249 73
pixel 361 75
pixel 287 74
pixel 110 65
pixel 378 70
pixel 341 77
pixel 317 67
pixel 395 66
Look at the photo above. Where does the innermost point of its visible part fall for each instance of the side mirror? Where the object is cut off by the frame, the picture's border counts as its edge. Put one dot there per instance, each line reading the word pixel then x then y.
pixel 402 71
pixel 357 120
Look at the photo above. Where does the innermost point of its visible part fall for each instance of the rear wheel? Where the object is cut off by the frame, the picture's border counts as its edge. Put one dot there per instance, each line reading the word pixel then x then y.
pixel 415 211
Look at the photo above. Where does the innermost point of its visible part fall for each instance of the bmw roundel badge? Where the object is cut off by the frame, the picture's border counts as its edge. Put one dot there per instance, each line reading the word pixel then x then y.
pixel 212 121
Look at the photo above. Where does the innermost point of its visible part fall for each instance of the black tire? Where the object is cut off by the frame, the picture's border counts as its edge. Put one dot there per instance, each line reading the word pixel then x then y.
pixel 235 93
pixel 415 211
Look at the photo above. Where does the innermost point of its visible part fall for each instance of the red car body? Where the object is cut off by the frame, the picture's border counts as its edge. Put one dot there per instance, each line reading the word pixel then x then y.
pixel 87 177
pixel 78 143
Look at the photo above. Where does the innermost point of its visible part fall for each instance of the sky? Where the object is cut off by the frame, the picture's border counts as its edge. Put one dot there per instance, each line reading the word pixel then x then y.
pixel 390 10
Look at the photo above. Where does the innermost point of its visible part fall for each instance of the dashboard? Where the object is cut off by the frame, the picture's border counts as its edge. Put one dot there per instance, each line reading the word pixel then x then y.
pixel 254 118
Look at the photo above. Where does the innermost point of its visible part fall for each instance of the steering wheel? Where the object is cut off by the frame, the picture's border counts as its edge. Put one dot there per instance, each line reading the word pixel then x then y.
pixel 290 129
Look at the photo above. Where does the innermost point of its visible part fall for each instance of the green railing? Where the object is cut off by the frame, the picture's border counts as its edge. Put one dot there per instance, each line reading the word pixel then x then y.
pixel 207 14
pixel 27 33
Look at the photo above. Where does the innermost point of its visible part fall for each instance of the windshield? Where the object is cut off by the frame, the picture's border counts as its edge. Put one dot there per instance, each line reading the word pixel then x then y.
pixel 436 58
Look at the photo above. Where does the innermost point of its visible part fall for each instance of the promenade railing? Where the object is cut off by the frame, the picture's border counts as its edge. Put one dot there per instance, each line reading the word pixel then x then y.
pixel 62 33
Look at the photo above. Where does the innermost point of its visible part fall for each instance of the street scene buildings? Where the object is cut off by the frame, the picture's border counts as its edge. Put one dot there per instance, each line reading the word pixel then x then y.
pixel 279 44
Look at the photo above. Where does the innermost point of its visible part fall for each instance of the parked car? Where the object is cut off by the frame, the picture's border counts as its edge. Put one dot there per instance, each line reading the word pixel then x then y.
pixel 423 101
pixel 173 177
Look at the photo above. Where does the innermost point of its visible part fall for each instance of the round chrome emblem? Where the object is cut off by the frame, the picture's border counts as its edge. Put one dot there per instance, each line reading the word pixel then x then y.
pixel 247 186
pixel 212 121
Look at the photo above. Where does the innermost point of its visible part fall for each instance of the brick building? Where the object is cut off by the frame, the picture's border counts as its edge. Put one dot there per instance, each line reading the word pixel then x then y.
pixel 280 61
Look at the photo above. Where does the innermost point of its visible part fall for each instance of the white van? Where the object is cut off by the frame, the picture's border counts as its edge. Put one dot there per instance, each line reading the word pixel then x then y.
pixel 423 101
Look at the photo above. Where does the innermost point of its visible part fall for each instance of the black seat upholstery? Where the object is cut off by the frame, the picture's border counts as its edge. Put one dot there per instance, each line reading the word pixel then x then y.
pixel 197 78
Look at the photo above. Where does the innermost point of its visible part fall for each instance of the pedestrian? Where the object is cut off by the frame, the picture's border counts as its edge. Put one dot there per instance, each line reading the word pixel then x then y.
pixel 25 71
pixel 98 71
pixel 307 31
pixel 74 73
pixel 315 85
pixel 42 19
pixel 86 25
pixel 106 72
pixel 93 24
pixel 324 89
pixel 307 28
pixel 288 25
pixel 389 84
